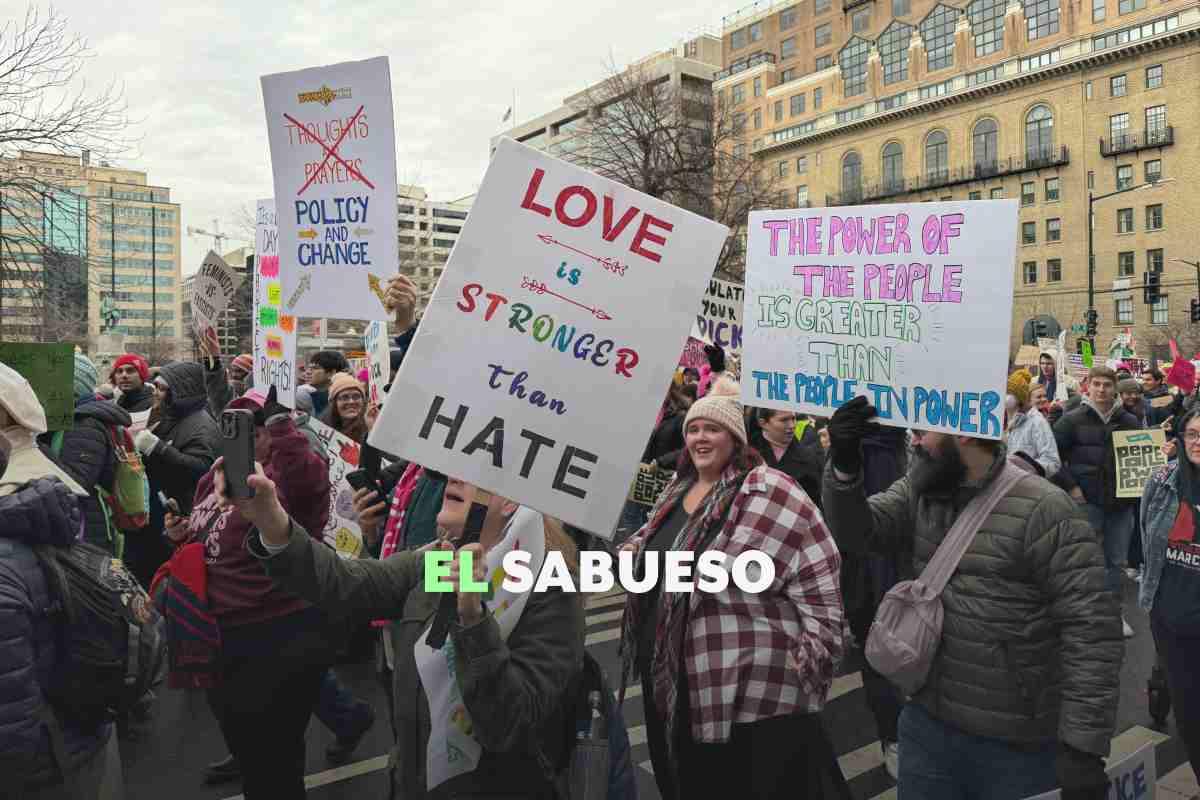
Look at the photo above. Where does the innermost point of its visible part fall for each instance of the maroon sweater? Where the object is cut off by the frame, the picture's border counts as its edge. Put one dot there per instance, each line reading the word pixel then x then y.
pixel 239 591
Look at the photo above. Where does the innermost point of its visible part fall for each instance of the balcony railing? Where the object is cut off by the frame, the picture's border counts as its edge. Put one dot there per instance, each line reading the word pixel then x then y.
pixel 742 66
pixel 850 5
pixel 938 179
pixel 1132 142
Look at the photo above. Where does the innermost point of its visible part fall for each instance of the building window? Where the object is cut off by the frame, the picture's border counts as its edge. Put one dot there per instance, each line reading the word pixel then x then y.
pixel 801 165
pixel 935 89
pixel 1124 176
pixel 1028 233
pixel 1039 60
pixel 1154 217
pixel 997 193
pixel 787 76
pixel 787 48
pixel 797 103
pixel 1041 18
pixel 1153 171
pixel 1091 179
pixel 1054 230
pixel 1159 312
pixel 1154 260
pixel 757 118
pixel 893 52
pixel 853 61
pixel 1129 6
pixel 987 25
pixel 860 20
pixel 1124 220
pixel 901 8
pixel 739 94
pixel 974 195
pixel 779 111
pixel 781 169
pixel 852 176
pixel 737 39
pixel 893 165
pixel 1156 122
pixel 851 114
pixel 1051 190
pixel 817 98
pixel 1154 77
pixel 1125 264
pixel 1054 270
pixel 1135 33
pixel 756 31
pixel 1039 134
pixel 822 34
pixel 758 86
pixel 821 6
pixel 937 156
pixel 739 151
pixel 1028 193
pixel 1029 272
pixel 983 76
pixel 801 196
pixel 1087 90
pixel 1098 11
pixel 789 17
pixel 739 122
pixel 937 31
pixel 824 62
pixel 888 103
pixel 1116 86
pixel 1125 311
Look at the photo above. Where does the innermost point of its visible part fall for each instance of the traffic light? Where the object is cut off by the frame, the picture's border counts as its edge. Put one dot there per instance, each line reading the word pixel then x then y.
pixel 1152 291
pixel 1195 310
pixel 1092 318
pixel 1039 330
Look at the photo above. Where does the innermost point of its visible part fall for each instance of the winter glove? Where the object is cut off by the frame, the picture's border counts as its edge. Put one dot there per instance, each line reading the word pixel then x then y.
pixel 1081 775
pixel 846 431
pixel 145 442
pixel 273 411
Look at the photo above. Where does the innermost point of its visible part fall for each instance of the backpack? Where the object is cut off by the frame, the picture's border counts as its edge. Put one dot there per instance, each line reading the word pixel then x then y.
pixel 127 506
pixel 111 647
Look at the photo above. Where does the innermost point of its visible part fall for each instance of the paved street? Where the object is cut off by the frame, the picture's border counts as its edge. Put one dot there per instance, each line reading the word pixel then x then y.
pixel 168 764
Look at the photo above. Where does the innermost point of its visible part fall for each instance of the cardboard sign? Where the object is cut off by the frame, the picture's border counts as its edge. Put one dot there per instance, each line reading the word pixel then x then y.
pixel 274 331
pixel 333 156
pixel 1134 777
pixel 909 305
pixel 551 338
pixel 50 370
pixel 375 342
pixel 720 319
pixel 1138 454
pixel 1028 355
pixel 648 484
pixel 212 292
pixel 341 453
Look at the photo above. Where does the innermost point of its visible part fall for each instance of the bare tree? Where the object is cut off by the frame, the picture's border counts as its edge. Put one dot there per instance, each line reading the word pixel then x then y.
pixel 672 141
pixel 47 107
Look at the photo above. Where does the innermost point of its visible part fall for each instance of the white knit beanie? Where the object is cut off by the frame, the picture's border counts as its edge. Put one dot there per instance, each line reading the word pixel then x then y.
pixel 723 410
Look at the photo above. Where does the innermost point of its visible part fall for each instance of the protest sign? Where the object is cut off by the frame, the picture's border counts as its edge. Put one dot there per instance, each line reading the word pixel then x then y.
pixel 648 484
pixel 212 292
pixel 720 319
pixel 50 370
pixel 907 304
pixel 1137 453
pixel 1028 356
pixel 341 453
pixel 551 338
pixel 333 156
pixel 139 421
pixel 375 342
pixel 1134 777
pixel 274 330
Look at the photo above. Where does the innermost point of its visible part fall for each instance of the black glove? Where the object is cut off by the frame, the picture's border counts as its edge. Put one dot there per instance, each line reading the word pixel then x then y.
pixel 272 408
pixel 1081 775
pixel 846 431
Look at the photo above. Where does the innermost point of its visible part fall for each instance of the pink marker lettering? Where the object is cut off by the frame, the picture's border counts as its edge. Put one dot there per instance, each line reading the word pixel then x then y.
pixel 952 282
pixel 775 226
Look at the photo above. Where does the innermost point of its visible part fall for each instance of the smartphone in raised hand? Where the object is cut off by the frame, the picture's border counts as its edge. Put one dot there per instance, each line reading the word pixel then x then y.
pixel 237 448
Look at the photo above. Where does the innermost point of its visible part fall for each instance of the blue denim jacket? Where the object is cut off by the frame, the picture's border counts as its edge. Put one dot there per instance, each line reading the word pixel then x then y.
pixel 1160 507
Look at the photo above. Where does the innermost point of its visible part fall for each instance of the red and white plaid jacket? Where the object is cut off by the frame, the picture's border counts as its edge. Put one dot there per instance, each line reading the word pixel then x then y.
pixel 754 656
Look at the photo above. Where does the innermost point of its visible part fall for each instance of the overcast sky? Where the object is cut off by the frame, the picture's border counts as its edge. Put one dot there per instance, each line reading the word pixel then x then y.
pixel 191 75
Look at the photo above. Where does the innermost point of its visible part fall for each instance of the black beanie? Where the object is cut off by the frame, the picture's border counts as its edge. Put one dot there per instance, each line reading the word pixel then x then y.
pixel 716 357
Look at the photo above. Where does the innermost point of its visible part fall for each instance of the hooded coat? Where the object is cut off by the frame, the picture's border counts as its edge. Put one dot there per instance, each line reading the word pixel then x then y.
pixel 189 439
pixel 139 400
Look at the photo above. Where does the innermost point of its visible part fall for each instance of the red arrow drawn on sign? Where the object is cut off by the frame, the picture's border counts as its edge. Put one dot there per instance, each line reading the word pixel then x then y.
pixel 537 287
pixel 610 264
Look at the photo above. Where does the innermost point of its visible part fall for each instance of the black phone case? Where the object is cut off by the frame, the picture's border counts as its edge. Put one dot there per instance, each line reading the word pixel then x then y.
pixel 237 446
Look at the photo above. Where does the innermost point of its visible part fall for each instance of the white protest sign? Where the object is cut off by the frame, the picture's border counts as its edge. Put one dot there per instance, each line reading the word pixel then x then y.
pixel 212 292
pixel 375 342
pixel 720 319
pixel 551 338
pixel 333 155
pixel 1134 777
pixel 274 331
pixel 907 304
pixel 341 453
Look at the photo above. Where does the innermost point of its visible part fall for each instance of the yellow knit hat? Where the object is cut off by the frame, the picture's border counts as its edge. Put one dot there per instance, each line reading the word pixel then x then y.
pixel 1018 385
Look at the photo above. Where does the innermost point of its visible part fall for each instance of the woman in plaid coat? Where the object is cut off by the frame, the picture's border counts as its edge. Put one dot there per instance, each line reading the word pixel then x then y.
pixel 734 682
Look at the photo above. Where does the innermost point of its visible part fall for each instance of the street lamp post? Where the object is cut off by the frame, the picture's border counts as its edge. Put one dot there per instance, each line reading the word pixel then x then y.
pixel 1196 265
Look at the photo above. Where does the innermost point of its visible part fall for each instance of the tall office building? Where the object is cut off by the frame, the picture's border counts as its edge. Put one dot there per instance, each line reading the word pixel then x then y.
pixel 428 231
pixel 864 101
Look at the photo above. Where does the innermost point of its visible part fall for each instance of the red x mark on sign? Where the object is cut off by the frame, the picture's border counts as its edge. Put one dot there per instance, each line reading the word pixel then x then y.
pixel 330 152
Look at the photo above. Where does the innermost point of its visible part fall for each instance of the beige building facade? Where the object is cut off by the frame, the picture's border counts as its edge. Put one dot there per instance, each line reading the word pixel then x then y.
pixel 919 100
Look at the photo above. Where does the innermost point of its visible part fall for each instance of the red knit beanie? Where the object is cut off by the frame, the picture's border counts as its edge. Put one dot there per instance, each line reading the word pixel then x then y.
pixel 130 358
pixel 244 362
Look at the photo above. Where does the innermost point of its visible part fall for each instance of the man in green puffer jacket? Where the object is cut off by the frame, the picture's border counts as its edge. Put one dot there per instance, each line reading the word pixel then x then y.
pixel 1022 695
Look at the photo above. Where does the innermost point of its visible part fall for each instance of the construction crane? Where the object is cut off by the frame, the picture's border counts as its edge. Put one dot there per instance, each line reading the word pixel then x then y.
pixel 217 237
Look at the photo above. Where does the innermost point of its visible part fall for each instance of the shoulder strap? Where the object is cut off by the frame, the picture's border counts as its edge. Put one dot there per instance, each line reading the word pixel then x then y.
pixel 56 443
pixel 937 572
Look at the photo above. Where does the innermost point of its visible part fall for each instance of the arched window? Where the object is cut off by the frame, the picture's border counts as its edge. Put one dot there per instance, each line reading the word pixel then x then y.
pixel 853 62
pixel 1039 134
pixel 987 25
pixel 985 141
pixel 852 176
pixel 937 31
pixel 937 156
pixel 1041 18
pixel 893 52
pixel 893 165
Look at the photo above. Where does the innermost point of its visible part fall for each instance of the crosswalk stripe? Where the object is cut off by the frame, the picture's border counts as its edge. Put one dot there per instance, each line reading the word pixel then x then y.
pixel 602 636
pixel 601 601
pixel 845 685
pixel 890 794
pixel 607 616
pixel 860 761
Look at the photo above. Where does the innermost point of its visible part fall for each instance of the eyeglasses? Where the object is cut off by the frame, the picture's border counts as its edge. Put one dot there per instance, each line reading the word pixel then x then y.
pixel 1191 437
pixel 349 398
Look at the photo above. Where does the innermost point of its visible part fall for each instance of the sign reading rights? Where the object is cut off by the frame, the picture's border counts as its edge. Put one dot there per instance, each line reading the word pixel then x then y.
pixel 908 304
pixel 274 330
pixel 551 338
pixel 333 155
